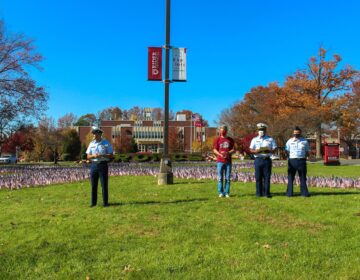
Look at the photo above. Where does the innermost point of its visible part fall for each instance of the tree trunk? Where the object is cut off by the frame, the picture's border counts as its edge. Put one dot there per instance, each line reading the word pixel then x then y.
pixel 318 142
pixel 55 156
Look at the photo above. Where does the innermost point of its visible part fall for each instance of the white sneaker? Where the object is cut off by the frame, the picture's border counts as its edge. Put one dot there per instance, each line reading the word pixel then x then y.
pixel 221 195
pixel 227 195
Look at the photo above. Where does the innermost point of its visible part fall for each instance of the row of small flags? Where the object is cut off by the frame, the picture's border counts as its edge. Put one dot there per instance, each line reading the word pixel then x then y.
pixel 28 176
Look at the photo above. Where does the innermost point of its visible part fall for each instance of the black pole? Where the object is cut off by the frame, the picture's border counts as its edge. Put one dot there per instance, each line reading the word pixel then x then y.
pixel 167 80
pixel 165 176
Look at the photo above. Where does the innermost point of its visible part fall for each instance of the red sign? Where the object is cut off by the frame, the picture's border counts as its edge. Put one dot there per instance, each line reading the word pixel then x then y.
pixel 331 153
pixel 154 64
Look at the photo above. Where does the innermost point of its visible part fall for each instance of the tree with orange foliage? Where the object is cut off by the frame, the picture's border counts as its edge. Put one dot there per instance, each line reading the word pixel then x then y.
pixel 125 143
pixel 176 140
pixel 347 111
pixel 258 105
pixel 309 93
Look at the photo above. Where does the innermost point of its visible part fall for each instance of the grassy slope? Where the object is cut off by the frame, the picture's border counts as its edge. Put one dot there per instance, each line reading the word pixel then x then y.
pixel 183 231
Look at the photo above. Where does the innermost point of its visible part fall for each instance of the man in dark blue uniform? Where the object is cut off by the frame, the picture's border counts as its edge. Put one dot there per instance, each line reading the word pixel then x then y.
pixel 297 148
pixel 99 152
pixel 262 147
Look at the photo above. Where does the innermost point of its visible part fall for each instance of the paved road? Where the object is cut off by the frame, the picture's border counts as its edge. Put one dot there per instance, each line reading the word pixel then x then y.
pixel 350 161
pixel 342 161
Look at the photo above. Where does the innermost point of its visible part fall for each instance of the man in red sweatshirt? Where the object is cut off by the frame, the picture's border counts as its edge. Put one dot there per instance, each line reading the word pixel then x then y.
pixel 223 149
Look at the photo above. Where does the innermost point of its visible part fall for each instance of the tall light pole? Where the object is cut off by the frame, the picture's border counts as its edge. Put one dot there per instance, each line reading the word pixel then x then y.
pixel 165 176
pixel 167 79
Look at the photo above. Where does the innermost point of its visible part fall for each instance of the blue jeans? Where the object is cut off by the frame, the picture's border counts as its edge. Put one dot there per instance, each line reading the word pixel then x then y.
pixel 223 170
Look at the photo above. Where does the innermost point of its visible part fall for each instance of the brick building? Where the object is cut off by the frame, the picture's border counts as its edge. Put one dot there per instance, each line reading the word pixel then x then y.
pixel 148 134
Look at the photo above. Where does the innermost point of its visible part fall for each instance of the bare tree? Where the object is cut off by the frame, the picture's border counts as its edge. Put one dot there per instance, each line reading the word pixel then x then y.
pixel 20 97
pixel 111 113
pixel 157 114
pixel 67 120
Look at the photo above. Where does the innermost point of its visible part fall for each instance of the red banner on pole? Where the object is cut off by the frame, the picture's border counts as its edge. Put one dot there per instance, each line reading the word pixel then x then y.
pixel 154 64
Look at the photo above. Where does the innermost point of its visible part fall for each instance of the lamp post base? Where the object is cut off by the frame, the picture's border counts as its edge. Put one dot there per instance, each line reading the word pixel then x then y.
pixel 165 176
pixel 165 179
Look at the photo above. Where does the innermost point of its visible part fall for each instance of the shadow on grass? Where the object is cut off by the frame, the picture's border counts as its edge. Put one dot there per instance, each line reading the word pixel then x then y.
pixel 189 183
pixel 334 193
pixel 157 202
pixel 299 195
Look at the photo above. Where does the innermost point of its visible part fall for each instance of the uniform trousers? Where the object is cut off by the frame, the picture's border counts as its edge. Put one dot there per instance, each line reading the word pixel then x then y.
pixel 262 175
pixel 99 171
pixel 299 165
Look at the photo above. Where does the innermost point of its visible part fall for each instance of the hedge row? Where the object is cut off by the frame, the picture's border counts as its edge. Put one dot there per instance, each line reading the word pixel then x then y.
pixel 155 157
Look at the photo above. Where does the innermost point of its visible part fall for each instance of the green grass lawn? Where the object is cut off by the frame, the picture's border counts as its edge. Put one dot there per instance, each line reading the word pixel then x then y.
pixel 182 231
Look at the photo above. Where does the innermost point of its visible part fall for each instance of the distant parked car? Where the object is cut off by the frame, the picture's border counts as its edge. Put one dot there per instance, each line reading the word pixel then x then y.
pixel 8 159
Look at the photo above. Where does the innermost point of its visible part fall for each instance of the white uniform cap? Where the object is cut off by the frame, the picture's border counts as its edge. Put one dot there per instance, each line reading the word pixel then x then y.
pixel 261 126
pixel 95 129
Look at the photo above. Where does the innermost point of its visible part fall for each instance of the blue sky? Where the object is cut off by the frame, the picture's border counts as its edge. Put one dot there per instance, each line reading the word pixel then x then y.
pixel 96 51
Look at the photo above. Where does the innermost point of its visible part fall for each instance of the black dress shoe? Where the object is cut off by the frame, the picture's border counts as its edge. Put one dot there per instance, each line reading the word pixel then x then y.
pixel 106 205
pixel 92 205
